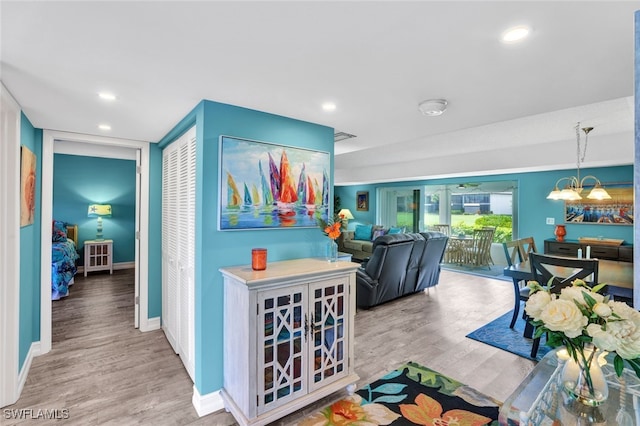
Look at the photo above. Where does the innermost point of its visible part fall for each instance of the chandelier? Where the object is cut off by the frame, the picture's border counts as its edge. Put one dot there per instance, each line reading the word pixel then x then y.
pixel 574 185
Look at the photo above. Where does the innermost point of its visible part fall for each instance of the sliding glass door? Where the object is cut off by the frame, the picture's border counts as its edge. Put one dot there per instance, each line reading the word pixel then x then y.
pixel 400 207
pixel 464 206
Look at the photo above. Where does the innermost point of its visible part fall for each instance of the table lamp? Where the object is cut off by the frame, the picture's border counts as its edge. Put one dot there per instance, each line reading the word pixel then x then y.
pixel 345 214
pixel 99 211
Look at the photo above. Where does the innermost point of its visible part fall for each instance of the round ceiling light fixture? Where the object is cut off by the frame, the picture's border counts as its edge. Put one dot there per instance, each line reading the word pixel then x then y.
pixel 515 34
pixel 433 107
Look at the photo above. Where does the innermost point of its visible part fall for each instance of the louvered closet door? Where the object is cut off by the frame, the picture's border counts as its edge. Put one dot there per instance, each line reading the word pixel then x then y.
pixel 170 165
pixel 186 248
pixel 178 246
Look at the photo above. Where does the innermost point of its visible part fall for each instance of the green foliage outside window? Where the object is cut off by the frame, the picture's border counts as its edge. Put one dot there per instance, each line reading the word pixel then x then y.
pixel 502 222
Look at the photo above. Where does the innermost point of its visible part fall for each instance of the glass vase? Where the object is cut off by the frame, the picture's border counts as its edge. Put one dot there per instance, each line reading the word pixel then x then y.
pixel 332 251
pixel 583 379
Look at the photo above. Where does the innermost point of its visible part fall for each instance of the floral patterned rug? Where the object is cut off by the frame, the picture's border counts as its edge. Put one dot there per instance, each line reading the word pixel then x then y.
pixel 410 395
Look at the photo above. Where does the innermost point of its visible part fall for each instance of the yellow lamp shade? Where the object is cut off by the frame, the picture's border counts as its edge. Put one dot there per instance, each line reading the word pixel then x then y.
pixel 99 210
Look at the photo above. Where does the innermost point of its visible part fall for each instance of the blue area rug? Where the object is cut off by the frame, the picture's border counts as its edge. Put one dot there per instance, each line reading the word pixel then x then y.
pixel 498 334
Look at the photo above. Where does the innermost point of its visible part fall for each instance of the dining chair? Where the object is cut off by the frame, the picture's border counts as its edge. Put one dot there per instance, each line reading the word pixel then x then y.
pixel 479 254
pixel 441 227
pixel 527 245
pixel 560 272
pixel 517 251
pixel 446 230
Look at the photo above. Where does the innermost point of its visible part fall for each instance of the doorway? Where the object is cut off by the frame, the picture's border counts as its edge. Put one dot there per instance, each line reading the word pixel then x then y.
pixel 69 143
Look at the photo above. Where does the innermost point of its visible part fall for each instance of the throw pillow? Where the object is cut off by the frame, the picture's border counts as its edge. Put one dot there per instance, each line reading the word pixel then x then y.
pixel 363 232
pixel 393 230
pixel 378 233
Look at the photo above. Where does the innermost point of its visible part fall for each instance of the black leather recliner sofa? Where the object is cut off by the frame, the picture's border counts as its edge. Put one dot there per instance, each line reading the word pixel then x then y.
pixel 400 264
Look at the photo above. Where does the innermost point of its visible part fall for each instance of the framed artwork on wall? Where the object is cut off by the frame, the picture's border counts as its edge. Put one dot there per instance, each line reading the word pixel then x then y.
pixel 27 186
pixel 362 201
pixel 264 185
pixel 616 211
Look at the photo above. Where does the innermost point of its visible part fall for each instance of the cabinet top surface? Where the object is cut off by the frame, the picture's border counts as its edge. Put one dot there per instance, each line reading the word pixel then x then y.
pixel 98 241
pixel 288 269
pixel 567 241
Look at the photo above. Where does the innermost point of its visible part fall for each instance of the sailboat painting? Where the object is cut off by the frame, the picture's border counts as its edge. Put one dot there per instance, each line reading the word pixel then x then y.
pixel 269 186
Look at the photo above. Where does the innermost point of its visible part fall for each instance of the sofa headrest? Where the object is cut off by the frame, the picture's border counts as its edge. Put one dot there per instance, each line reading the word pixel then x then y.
pixel 433 235
pixel 391 239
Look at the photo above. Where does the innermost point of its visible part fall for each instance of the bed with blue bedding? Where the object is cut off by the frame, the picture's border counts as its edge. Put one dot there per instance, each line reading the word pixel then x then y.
pixel 63 258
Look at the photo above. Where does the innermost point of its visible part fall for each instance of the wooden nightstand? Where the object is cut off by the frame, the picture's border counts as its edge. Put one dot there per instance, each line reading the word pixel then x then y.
pixel 98 256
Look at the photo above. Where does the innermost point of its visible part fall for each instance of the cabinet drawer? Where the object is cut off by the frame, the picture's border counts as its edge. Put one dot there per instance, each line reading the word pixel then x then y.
pixel 601 252
pixel 562 249
pixel 625 253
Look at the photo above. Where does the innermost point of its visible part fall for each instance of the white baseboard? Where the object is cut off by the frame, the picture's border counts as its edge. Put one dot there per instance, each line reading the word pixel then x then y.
pixel 150 324
pixel 207 404
pixel 116 266
pixel 34 351
pixel 124 265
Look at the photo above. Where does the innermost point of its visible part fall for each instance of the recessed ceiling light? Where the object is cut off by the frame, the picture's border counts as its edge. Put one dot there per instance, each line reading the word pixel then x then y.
pixel 107 96
pixel 329 106
pixel 515 34
pixel 104 127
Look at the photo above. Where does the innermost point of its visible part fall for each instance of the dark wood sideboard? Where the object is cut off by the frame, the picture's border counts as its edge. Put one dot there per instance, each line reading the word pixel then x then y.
pixel 623 253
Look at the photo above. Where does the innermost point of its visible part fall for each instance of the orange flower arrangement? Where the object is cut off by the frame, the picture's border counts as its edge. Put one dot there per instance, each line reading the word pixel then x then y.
pixel 332 227
pixel 333 231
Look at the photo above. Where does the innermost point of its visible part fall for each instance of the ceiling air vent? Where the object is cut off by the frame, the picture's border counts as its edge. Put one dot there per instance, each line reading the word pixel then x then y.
pixel 340 136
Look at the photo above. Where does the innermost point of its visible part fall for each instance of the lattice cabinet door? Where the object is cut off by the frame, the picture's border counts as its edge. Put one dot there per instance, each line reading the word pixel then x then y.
pixel 282 355
pixel 328 343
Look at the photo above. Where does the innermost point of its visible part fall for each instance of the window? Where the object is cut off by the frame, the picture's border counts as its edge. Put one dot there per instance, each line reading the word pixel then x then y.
pixel 463 206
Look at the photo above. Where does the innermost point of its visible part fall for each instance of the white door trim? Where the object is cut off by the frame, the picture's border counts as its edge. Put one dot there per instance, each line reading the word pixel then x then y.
pixel 136 302
pixel 9 247
pixel 48 139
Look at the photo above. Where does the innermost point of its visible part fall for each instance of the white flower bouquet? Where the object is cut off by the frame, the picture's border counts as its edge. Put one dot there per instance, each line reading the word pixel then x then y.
pixel 580 315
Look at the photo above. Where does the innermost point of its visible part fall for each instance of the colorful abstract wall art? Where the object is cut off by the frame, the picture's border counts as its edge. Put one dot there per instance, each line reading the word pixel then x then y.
pixel 265 185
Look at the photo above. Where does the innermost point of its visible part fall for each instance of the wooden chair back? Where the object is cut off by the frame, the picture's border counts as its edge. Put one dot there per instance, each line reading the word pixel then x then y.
pixel 562 271
pixel 441 227
pixel 527 246
pixel 512 252
pixel 482 239
pixel 517 251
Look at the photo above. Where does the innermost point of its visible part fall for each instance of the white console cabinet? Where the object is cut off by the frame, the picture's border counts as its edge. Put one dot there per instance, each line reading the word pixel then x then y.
pixel 288 336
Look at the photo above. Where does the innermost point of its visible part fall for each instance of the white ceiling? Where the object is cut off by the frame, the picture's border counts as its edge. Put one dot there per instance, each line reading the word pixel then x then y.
pixel 511 107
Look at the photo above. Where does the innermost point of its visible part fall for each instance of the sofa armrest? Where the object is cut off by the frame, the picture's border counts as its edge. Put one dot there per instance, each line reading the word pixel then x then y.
pixel 366 289
pixel 362 278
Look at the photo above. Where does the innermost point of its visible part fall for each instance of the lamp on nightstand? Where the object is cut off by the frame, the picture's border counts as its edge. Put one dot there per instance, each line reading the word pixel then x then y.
pixel 99 211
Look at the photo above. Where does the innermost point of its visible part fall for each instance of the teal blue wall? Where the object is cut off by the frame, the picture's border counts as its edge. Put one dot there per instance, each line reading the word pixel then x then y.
pixel 215 249
pixel 30 252
pixel 155 228
pixel 347 196
pixel 533 207
pixel 79 181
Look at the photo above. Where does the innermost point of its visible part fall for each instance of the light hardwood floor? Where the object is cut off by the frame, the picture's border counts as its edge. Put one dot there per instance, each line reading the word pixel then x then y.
pixel 103 371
